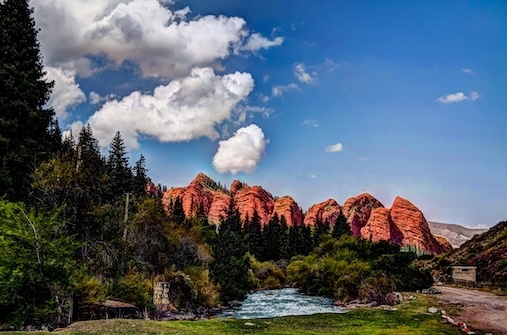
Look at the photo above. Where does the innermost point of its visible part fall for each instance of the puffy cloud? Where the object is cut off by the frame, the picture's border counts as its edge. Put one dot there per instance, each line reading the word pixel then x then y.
pixel 162 42
pixel 457 97
pixel 242 151
pixel 451 98
pixel 280 90
pixel 302 75
pixel 335 148
pixel 467 70
pixel 183 110
pixel 66 92
pixel 257 42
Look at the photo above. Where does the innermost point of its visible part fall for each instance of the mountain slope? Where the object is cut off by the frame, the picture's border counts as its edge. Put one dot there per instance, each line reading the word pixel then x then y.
pixel 487 251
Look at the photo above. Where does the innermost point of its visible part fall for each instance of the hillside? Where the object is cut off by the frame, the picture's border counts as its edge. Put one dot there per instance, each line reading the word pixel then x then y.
pixel 487 251
pixel 454 233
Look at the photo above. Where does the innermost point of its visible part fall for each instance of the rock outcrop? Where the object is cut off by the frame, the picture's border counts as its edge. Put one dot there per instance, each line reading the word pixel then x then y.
pixel 403 224
pixel 328 211
pixel 414 227
pixel 287 207
pixel 358 209
pixel 249 199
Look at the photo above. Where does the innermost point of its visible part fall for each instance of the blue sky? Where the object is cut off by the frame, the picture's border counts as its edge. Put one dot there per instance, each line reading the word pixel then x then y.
pixel 316 100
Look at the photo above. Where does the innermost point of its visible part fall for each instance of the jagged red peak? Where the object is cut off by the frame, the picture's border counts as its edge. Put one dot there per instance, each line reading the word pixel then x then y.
pixel 201 179
pixel 237 186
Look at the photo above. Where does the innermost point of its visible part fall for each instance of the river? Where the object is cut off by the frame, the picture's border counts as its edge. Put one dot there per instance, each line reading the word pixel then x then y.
pixel 282 302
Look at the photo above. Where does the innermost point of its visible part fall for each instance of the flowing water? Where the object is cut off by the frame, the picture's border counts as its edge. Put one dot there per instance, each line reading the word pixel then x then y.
pixel 282 302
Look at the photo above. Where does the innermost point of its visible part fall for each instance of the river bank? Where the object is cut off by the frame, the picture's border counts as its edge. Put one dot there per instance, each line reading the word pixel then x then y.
pixel 411 318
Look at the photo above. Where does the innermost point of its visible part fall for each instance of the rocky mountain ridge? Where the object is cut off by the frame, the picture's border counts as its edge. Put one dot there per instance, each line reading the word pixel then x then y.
pixel 403 224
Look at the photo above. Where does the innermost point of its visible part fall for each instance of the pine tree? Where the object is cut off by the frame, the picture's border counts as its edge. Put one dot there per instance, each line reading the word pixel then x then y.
pixel 25 136
pixel 140 176
pixel 118 164
pixel 231 267
pixel 253 232
pixel 320 230
pixel 341 227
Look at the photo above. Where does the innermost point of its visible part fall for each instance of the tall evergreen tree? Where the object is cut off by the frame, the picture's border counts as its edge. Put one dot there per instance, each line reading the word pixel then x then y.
pixel 25 136
pixel 118 164
pixel 231 266
pixel 140 176
pixel 341 227
pixel 253 232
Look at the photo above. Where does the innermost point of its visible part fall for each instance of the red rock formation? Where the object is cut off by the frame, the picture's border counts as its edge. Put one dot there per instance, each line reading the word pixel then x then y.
pixel 358 209
pixel 199 194
pixel 249 199
pixel 287 207
pixel 219 207
pixel 380 227
pixel 328 211
pixel 414 227
pixel 403 224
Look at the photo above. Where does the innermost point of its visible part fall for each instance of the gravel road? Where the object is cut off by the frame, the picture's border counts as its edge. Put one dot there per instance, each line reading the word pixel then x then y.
pixel 481 310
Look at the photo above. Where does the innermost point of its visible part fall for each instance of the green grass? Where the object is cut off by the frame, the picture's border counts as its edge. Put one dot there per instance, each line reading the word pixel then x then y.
pixel 410 319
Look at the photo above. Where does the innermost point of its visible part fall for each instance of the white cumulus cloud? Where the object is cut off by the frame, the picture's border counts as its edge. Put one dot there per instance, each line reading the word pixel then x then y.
pixel 241 152
pixel 334 148
pixel 66 92
pixel 302 75
pixel 256 42
pixel 458 97
pixel 163 43
pixel 467 70
pixel 183 110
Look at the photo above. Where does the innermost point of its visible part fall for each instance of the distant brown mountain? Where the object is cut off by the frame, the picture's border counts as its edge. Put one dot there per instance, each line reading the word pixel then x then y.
pixel 403 224
pixel 455 234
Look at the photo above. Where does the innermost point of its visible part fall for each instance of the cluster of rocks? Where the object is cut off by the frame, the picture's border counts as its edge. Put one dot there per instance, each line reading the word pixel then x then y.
pixel 388 301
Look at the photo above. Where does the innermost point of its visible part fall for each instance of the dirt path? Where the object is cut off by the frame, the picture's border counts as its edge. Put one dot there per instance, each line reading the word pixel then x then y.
pixel 481 310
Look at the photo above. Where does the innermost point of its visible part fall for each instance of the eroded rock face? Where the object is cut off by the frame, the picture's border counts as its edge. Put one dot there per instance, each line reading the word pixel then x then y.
pixel 380 227
pixel 358 209
pixel 414 227
pixel 287 207
pixel 249 199
pixel 328 211
pixel 444 242
pixel 219 207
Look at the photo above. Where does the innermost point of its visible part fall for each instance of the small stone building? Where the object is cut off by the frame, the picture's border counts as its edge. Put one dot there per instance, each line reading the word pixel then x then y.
pixel 464 274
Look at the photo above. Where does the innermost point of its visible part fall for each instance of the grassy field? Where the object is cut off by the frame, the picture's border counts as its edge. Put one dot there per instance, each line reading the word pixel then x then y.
pixel 411 318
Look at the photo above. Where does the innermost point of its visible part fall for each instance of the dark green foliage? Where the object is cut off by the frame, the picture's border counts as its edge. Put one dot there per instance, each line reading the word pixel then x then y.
pixel 231 265
pixel 37 266
pixel 141 178
pixel 341 227
pixel 253 232
pixel 120 174
pixel 352 267
pixel 320 232
pixel 27 129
